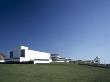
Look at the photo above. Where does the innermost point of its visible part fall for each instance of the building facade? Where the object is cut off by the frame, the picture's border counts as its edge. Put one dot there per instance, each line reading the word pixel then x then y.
pixel 2 57
pixel 23 54
pixel 57 58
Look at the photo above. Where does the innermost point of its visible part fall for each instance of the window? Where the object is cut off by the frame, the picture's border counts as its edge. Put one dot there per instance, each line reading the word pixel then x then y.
pixel 22 53
pixel 11 54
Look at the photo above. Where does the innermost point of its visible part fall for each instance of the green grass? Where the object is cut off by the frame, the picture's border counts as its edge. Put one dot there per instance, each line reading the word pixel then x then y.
pixel 52 73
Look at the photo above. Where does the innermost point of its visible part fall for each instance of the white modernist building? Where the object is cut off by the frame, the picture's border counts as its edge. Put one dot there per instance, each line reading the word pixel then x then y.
pixel 2 58
pixel 23 54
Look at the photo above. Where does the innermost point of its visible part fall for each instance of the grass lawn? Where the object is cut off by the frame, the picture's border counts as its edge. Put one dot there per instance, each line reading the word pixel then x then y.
pixel 52 73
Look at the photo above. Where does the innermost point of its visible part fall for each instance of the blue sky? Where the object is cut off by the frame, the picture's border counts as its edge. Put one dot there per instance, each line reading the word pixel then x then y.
pixel 78 29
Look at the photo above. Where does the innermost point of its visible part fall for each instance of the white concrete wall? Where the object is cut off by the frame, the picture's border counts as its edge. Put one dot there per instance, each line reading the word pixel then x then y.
pixel 30 55
pixel 58 61
pixel 38 61
pixel 2 60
